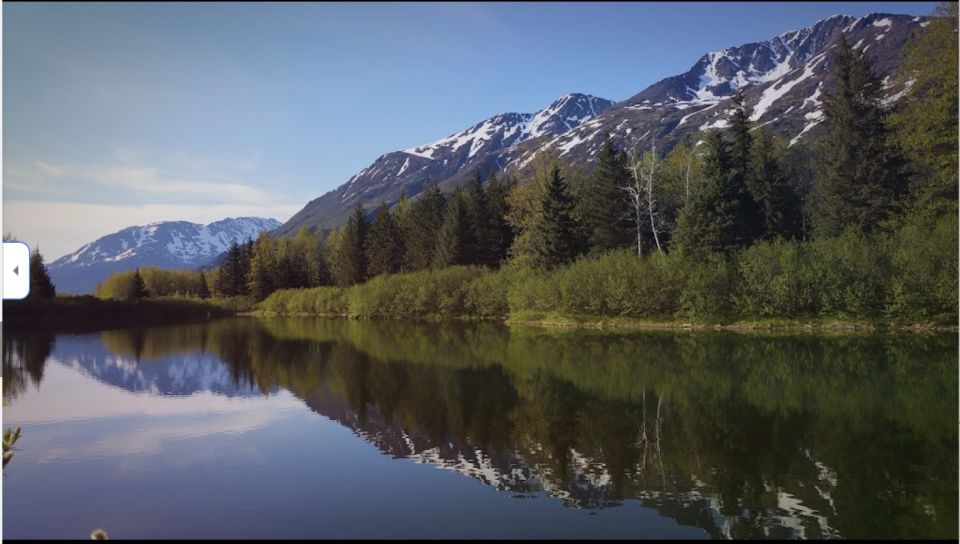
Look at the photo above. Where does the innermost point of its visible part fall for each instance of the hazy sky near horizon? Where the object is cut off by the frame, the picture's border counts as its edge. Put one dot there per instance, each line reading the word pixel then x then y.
pixel 125 114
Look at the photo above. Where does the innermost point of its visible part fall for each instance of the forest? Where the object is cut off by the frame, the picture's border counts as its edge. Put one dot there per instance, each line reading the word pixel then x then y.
pixel 737 225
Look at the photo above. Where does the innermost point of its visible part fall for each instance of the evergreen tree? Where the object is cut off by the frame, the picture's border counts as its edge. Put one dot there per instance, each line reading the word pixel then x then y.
pixel 796 161
pixel 750 220
pixel 203 291
pixel 741 142
pixel 479 248
pixel 404 221
pixel 231 279
pixel 40 284
pixel 453 240
pixel 384 244
pixel 226 280
pixel 138 289
pixel 262 274
pixel 603 202
pixel 350 260
pixel 859 177
pixel 421 226
pixel 500 232
pixel 555 232
pixel 291 265
pixel 244 258
pixel 707 222
pixel 773 190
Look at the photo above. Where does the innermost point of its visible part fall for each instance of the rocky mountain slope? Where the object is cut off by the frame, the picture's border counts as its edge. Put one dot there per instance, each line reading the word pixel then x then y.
pixel 485 146
pixel 782 79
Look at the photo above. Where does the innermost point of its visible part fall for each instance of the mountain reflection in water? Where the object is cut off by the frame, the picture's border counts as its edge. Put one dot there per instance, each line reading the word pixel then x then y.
pixel 742 436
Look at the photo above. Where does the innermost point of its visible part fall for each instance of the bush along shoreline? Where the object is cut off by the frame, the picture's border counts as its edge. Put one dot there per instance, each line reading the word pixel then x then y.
pixel 905 280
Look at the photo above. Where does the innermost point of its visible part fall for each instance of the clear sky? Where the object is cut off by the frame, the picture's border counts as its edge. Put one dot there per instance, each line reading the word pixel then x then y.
pixel 123 114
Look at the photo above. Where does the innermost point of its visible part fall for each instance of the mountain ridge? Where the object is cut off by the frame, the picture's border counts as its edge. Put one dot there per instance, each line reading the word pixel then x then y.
pixel 782 79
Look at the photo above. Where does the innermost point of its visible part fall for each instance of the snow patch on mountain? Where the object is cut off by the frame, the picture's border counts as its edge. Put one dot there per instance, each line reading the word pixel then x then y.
pixel 774 92
pixel 512 129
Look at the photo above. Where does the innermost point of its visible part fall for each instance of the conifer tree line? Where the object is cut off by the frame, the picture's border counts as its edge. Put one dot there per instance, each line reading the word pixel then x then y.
pixel 874 169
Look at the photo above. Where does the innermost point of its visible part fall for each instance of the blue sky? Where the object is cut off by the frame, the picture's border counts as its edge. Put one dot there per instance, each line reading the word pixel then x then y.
pixel 121 114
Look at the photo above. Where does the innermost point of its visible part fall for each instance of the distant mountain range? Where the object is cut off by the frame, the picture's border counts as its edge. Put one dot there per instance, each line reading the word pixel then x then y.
pixel 782 79
pixel 168 244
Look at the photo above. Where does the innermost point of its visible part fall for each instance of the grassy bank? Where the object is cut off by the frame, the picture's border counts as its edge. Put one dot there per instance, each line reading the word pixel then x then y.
pixel 853 282
pixel 90 310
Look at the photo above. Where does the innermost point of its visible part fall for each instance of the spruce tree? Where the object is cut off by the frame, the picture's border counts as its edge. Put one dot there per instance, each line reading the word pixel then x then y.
pixel 291 265
pixel 479 248
pixel 707 223
pixel 403 217
pixel 351 260
pixel 40 284
pixel 555 233
pixel 232 277
pixel 500 232
pixel 204 290
pixel 226 280
pixel 859 176
pixel 769 183
pixel 138 289
pixel 421 227
pixel 741 142
pixel 453 240
pixel 750 216
pixel 604 201
pixel 384 244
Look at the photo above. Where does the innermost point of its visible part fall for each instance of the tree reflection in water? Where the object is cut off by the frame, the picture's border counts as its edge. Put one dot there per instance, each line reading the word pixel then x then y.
pixel 743 435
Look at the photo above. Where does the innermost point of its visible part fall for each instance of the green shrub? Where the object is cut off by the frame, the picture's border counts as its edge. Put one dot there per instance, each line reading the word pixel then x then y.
pixel 777 279
pixel 708 287
pixel 909 275
pixel 924 279
pixel 852 273
pixel 533 290
pixel 486 295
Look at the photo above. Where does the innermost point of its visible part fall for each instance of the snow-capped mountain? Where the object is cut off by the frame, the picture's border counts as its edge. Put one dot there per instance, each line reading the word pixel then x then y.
pixel 168 244
pixel 484 147
pixel 782 79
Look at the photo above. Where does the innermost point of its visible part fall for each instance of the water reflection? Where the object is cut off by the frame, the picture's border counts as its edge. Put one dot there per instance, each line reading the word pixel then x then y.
pixel 742 436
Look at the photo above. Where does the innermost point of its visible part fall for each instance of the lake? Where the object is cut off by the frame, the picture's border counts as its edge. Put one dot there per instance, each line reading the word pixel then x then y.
pixel 323 428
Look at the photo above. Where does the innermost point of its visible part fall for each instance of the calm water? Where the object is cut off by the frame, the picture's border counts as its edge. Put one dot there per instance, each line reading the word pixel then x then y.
pixel 328 428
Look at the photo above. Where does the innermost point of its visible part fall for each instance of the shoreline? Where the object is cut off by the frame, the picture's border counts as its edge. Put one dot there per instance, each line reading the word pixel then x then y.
pixel 550 321
pixel 89 312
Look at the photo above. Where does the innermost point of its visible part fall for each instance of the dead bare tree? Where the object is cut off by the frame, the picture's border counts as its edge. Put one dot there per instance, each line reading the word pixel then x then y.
pixel 642 190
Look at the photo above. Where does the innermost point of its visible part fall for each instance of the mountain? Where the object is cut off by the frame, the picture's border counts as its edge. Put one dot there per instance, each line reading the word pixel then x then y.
pixel 782 80
pixel 168 244
pixel 485 146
